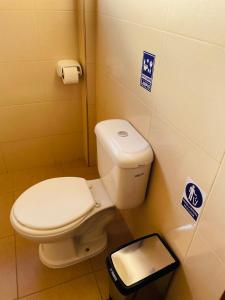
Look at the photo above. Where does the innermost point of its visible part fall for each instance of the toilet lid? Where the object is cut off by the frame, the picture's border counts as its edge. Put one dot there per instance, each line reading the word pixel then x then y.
pixel 54 203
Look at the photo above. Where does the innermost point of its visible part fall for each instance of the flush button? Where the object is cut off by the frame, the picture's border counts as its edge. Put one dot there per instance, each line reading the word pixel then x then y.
pixel 123 133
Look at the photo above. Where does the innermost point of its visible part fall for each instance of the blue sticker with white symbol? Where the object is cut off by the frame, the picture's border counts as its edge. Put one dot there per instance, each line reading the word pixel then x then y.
pixel 193 198
pixel 147 69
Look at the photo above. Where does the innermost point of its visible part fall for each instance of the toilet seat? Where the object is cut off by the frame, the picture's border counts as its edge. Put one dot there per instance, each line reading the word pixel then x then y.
pixel 53 204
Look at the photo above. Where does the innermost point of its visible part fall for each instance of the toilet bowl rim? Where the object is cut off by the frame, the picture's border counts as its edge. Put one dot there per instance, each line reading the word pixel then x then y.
pixel 53 233
pixel 40 233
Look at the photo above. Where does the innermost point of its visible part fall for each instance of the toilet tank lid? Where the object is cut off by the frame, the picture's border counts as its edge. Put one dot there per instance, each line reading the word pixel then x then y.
pixel 127 145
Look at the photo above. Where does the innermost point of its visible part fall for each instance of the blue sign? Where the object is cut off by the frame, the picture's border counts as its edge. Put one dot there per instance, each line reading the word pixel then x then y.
pixel 147 69
pixel 193 194
pixel 193 198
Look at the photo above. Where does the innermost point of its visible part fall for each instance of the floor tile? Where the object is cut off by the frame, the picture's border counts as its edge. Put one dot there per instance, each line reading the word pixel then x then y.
pixel 8 288
pixel 6 203
pixel 33 276
pixel 118 234
pixel 102 278
pixel 83 288
pixel 85 281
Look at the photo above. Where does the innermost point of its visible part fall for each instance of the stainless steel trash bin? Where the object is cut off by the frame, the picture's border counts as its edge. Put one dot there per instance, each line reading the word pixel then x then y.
pixel 141 269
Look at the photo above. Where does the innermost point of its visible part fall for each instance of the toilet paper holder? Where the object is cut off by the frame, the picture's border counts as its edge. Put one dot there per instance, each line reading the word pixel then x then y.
pixel 68 63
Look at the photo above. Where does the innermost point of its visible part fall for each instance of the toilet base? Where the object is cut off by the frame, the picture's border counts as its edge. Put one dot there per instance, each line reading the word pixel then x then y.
pixel 68 252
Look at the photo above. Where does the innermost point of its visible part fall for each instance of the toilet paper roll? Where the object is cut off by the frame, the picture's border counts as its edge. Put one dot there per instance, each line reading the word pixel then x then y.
pixel 70 75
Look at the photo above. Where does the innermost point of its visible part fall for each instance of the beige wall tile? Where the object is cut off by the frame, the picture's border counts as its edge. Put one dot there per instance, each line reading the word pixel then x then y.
pixel 92 152
pixel 146 12
pixel 91 84
pixel 82 288
pixel 18 29
pixel 34 35
pixel 56 34
pixel 52 85
pixel 85 124
pixel 81 32
pixel 21 82
pixel 36 81
pixel 8 269
pixel 80 169
pixel 176 159
pixel 89 21
pixel 17 4
pixel 6 184
pixel 185 113
pixel 120 52
pixel 34 277
pixel 179 159
pixel 6 203
pixel 2 164
pixel 212 224
pixel 53 171
pixel 26 178
pixel 207 19
pixel 27 154
pixel 67 148
pixel 101 91
pixel 119 102
pixel 55 4
pixel 90 5
pixel 91 119
pixel 204 275
pixel 90 36
pixel 190 91
pixel 159 214
pixel 39 119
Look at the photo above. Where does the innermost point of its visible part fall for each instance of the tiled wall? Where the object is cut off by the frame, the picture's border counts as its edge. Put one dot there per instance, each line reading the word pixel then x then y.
pixel 87 47
pixel 183 118
pixel 40 118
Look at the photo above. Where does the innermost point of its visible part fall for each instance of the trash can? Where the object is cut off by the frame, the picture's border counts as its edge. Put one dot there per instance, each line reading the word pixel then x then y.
pixel 141 269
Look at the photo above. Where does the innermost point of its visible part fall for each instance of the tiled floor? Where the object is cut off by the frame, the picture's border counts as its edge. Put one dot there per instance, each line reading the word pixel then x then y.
pixel 22 276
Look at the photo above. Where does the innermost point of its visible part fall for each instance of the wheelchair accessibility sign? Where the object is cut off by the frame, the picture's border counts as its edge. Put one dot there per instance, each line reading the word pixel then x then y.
pixel 193 198
pixel 147 69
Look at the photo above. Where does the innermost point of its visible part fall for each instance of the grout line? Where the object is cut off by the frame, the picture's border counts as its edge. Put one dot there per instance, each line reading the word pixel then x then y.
pixel 7 236
pixel 37 10
pixel 202 212
pixel 41 101
pixel 84 30
pixel 78 132
pixel 180 132
pixel 98 287
pixel 152 109
pixel 163 30
pixel 34 60
pixel 122 85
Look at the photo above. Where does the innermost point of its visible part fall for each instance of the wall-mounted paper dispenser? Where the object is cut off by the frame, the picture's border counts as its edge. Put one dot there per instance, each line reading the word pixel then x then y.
pixel 69 70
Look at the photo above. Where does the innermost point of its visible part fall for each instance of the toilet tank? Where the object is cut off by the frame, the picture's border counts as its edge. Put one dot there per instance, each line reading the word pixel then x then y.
pixel 124 162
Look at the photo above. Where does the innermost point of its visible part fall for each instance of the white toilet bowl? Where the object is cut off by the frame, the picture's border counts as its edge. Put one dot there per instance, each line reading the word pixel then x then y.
pixel 66 216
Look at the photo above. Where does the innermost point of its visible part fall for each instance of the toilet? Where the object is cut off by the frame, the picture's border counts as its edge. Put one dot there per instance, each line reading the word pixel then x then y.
pixel 67 215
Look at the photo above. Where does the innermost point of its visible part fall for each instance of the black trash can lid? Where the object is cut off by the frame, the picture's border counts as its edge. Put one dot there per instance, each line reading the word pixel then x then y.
pixel 139 262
